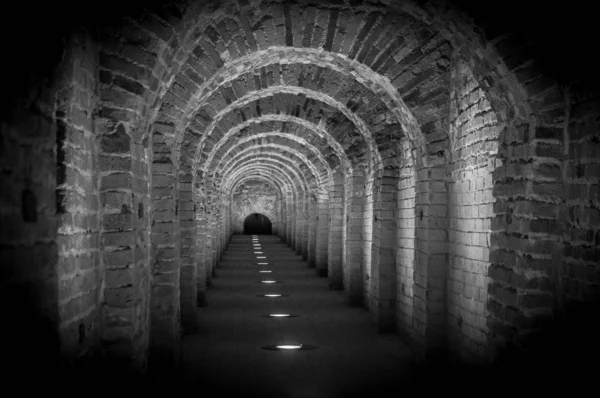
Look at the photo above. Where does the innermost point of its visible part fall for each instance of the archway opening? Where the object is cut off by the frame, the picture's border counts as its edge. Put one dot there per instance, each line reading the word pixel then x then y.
pixel 258 224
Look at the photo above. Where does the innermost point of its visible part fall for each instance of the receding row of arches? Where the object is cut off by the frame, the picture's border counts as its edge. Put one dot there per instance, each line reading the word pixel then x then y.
pixel 421 166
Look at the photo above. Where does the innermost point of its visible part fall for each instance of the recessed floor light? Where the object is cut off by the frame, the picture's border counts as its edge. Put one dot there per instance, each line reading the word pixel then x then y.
pixel 264 271
pixel 289 347
pixel 263 263
pixel 260 257
pixel 279 316
pixel 268 281
pixel 258 252
pixel 272 295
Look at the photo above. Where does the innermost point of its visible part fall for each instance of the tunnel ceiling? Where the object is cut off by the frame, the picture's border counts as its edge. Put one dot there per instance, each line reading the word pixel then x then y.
pixel 300 91
pixel 297 90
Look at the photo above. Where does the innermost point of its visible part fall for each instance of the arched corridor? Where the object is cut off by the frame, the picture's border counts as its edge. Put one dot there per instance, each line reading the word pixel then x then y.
pixel 426 174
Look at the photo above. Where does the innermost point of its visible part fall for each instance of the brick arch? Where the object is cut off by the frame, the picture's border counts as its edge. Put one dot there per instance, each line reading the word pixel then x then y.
pixel 297 182
pixel 330 104
pixel 304 129
pixel 498 94
pixel 321 178
pixel 281 137
pixel 293 204
pixel 275 140
pixel 348 49
pixel 275 180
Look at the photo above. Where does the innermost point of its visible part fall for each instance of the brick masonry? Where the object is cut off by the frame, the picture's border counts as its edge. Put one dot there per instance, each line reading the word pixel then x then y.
pixel 433 173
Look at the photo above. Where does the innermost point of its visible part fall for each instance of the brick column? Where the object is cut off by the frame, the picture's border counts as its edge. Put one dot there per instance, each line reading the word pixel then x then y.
pixel 208 245
pixel 431 251
pixel 313 214
pixel 288 218
pixel 165 332
pixel 200 257
pixel 305 226
pixel 322 234
pixel 299 225
pixel 336 220
pixel 292 218
pixel 383 249
pixel 355 201
pixel 189 270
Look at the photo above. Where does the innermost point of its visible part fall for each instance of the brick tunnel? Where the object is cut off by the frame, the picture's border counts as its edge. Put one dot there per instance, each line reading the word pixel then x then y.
pixel 433 166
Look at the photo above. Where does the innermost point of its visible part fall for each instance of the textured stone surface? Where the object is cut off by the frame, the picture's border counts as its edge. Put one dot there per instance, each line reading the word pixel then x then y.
pixel 430 169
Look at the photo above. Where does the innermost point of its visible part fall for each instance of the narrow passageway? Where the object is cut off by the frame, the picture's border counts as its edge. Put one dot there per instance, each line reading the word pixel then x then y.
pixel 226 356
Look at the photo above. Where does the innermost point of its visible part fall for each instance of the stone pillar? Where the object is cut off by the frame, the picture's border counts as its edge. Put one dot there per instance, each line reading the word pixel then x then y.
pixel 200 257
pixel 305 229
pixel 383 252
pixel 431 252
pixel 292 218
pixel 208 245
pixel 336 220
pixel 355 201
pixel 283 220
pixel 289 217
pixel 322 234
pixel 313 214
pixel 165 329
pixel 299 225
pixel 189 270
pixel 123 239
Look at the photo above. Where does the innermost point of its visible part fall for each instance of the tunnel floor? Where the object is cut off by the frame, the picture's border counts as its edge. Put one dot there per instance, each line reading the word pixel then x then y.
pixel 226 359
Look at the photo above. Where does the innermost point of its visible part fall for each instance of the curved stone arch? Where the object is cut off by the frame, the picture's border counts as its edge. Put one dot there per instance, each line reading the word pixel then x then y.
pixel 376 83
pixel 298 182
pixel 304 185
pixel 277 180
pixel 295 183
pixel 297 193
pixel 271 136
pixel 276 183
pixel 255 139
pixel 285 184
pixel 279 185
pixel 296 227
pixel 270 91
pixel 322 180
pixel 282 161
pixel 333 125
pixel 319 131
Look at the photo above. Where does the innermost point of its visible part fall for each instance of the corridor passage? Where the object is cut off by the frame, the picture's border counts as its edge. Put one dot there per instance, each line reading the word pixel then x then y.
pixel 226 357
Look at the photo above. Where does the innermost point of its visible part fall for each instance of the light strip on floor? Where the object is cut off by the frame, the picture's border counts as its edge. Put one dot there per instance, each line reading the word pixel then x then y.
pixel 258 252
pixel 268 281
pixel 265 272
pixel 272 295
pixel 289 346
pixel 260 257
pixel 279 315
pixel 263 263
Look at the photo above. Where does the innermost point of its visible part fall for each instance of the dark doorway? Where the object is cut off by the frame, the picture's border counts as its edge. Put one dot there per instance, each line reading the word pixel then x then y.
pixel 257 224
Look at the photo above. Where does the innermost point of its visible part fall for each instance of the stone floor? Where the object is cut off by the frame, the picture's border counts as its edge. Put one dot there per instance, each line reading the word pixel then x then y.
pixel 226 359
